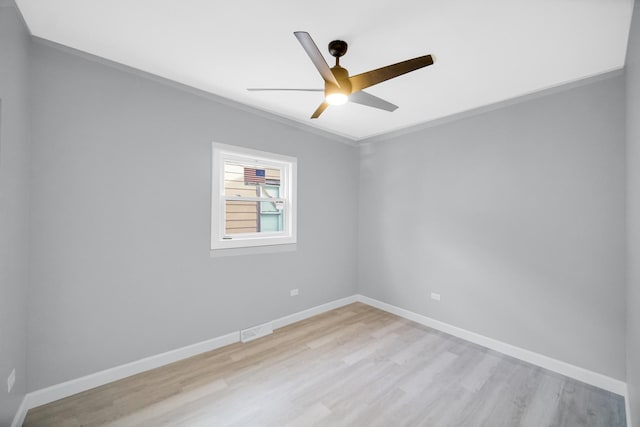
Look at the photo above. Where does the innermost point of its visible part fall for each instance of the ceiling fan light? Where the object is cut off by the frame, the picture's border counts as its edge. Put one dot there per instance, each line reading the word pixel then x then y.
pixel 336 98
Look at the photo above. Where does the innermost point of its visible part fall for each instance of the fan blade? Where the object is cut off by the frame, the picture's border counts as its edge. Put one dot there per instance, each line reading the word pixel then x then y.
pixel 373 77
pixel 369 100
pixel 316 57
pixel 257 89
pixel 319 110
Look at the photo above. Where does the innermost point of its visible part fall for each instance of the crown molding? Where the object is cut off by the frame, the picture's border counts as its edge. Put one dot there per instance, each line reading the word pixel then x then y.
pixel 198 92
pixel 584 81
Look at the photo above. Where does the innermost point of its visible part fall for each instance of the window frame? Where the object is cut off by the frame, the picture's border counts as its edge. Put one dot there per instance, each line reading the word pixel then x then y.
pixel 288 195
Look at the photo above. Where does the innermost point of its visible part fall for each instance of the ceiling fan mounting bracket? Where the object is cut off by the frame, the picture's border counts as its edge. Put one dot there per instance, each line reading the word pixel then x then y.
pixel 338 48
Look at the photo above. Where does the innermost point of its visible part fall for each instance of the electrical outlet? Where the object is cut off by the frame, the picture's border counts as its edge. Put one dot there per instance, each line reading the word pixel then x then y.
pixel 11 380
pixel 294 292
pixel 435 296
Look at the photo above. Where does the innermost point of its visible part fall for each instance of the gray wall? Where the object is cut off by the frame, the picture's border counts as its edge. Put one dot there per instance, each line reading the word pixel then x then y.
pixel 14 206
pixel 633 215
pixel 121 218
pixel 515 216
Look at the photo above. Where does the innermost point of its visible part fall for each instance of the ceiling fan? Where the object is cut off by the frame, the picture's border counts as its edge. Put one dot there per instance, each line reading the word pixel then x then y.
pixel 339 87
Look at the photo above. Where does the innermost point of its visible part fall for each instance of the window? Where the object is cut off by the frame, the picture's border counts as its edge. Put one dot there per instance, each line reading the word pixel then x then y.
pixel 253 199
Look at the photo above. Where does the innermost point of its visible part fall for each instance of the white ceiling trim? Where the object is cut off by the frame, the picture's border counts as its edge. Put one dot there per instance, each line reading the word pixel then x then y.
pixel 198 92
pixel 322 133
pixel 492 107
pixel 486 52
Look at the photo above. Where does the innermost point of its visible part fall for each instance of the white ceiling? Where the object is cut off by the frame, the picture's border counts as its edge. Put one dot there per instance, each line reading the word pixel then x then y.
pixel 486 51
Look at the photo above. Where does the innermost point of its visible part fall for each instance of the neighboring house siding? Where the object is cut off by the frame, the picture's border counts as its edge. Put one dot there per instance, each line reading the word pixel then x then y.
pixel 245 217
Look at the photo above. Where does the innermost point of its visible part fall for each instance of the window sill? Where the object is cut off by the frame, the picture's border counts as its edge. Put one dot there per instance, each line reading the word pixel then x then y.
pixel 253 250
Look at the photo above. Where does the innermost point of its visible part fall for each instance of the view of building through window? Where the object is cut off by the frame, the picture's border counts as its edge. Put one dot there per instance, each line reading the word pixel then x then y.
pixel 252 182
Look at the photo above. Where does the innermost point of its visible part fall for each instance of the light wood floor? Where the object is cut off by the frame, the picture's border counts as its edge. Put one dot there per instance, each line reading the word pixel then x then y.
pixel 354 366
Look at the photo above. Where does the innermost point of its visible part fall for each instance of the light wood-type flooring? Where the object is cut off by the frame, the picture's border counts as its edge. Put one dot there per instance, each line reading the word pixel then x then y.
pixel 353 366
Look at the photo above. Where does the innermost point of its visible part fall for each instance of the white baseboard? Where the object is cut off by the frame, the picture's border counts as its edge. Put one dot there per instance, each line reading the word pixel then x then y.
pixel 627 407
pixel 69 388
pixel 18 418
pixel 598 380
pixel 305 314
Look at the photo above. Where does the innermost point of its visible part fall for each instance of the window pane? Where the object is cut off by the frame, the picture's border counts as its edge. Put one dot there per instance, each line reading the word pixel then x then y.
pixel 253 198
pixel 271 217
pixel 246 180
pixel 253 217
pixel 270 191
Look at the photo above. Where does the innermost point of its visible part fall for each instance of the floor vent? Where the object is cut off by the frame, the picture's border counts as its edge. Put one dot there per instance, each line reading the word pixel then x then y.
pixel 251 334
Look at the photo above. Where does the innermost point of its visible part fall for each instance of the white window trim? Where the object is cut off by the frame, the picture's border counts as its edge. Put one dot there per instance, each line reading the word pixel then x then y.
pixel 221 152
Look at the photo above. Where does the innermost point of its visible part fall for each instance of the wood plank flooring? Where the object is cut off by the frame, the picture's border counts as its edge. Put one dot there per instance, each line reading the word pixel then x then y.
pixel 353 366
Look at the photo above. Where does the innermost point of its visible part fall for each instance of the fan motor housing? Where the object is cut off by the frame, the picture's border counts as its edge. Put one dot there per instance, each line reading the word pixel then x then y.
pixel 342 76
